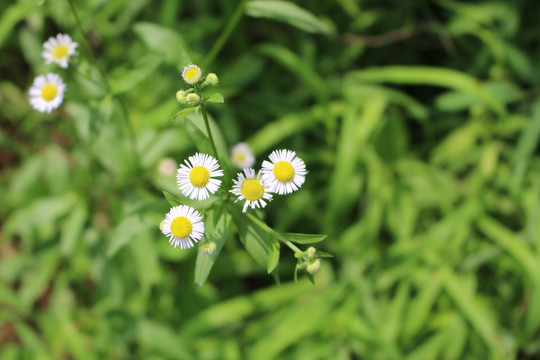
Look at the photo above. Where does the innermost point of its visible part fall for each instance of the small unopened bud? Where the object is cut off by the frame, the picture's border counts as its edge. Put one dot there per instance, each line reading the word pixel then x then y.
pixel 208 248
pixel 313 266
pixel 310 252
pixel 298 254
pixel 161 225
pixel 301 265
pixel 181 96
pixel 211 79
pixel 193 99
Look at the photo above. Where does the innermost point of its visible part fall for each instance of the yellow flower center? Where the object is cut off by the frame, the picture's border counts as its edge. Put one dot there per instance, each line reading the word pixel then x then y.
pixel 283 171
pixel 199 176
pixel 48 92
pixel 252 189
pixel 191 73
pixel 240 156
pixel 181 227
pixel 60 51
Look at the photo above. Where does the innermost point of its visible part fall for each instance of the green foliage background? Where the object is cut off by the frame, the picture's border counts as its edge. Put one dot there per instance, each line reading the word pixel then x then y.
pixel 418 122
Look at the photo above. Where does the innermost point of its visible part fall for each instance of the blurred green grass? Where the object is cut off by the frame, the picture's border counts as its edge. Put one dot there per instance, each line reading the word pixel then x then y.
pixel 418 122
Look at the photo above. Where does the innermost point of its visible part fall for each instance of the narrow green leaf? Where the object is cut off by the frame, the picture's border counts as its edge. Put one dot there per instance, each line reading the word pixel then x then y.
pixel 171 199
pixel 123 80
pixel 185 60
pixel 160 39
pixel 273 258
pixel 528 142
pixel 424 75
pixel 287 12
pixel 128 228
pixel 156 338
pixel 480 320
pixel 304 238
pixel 73 227
pixel 254 237
pixel 322 254
pixel 421 306
pixel 525 259
pixel 184 111
pixel 11 16
pixel 216 97
pixel 238 309
pixel 216 230
pixel 199 138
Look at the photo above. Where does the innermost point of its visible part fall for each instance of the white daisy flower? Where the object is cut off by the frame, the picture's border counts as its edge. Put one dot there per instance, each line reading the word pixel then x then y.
pixel 183 225
pixel 242 156
pixel 251 188
pixel 191 74
pixel 47 92
pixel 196 178
pixel 59 50
pixel 285 173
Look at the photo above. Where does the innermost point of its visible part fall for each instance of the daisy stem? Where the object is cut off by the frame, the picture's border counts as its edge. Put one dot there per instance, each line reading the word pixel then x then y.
pixel 225 33
pixel 276 234
pixel 91 57
pixel 208 131
pixel 88 48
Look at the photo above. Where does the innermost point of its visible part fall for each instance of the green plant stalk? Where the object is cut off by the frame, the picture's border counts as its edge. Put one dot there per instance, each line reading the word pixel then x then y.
pixel 225 34
pixel 277 234
pixel 91 57
pixel 208 131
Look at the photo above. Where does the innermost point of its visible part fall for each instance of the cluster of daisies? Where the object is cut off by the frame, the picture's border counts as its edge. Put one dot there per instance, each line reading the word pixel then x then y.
pixel 197 179
pixel 47 91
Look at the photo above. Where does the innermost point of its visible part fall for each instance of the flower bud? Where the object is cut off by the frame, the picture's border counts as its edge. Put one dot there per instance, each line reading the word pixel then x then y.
pixel 161 225
pixel 310 252
pixel 208 248
pixel 193 99
pixel 211 79
pixel 298 255
pixel 313 266
pixel 181 96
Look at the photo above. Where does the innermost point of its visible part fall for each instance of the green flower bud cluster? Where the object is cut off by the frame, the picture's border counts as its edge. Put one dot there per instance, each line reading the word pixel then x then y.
pixel 192 75
pixel 307 260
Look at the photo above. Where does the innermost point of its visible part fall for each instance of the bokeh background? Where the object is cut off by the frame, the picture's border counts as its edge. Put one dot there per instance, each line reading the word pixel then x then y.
pixel 419 124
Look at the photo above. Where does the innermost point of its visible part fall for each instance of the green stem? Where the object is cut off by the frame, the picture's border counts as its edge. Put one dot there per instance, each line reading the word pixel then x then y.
pixel 208 131
pixel 91 57
pixel 277 234
pixel 86 44
pixel 225 34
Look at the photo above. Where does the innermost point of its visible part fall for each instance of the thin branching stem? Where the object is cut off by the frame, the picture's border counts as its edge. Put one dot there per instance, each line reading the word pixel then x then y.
pixel 225 33
pixel 92 58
